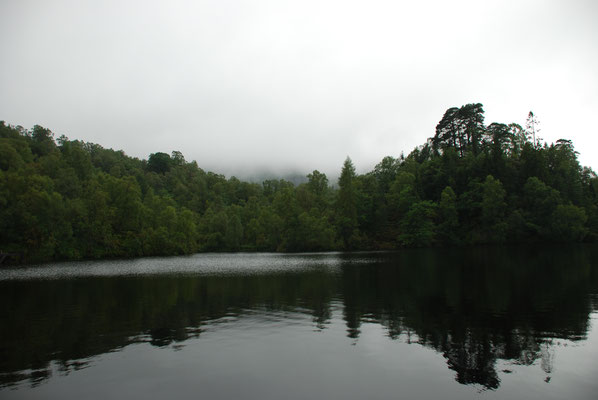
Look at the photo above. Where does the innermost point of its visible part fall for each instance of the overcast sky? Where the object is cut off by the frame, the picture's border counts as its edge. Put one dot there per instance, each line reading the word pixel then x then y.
pixel 246 85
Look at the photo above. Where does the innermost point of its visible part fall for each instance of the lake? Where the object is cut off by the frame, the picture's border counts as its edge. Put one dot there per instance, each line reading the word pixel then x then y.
pixel 492 322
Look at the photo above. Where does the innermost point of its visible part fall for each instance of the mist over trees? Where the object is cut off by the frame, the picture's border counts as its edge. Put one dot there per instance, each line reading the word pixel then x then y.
pixel 470 183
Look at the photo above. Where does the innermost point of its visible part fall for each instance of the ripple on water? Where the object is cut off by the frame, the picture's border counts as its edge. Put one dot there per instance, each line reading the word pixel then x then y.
pixel 197 264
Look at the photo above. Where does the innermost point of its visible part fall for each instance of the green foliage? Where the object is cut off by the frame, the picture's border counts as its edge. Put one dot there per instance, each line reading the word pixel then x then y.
pixel 468 184
pixel 493 210
pixel 567 223
pixel 346 204
pixel 539 202
pixel 159 163
pixel 317 183
pixel 314 233
pixel 42 142
pixel 449 217
pixel 461 128
pixel 402 195
pixel 417 227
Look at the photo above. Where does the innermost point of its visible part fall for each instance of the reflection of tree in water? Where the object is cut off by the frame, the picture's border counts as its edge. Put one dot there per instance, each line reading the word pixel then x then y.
pixel 477 307
pixel 87 317
pixel 547 357
pixel 473 360
pixel 473 307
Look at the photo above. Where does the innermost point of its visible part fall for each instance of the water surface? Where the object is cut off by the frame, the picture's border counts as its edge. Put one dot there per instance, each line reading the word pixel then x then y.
pixel 461 323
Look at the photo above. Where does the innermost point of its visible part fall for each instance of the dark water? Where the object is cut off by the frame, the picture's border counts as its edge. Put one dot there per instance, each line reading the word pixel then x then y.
pixel 467 323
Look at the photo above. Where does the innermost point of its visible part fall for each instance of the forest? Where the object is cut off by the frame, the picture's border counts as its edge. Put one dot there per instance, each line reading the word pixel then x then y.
pixel 469 184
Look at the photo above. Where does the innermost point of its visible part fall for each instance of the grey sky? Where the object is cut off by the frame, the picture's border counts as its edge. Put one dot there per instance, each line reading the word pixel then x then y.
pixel 244 85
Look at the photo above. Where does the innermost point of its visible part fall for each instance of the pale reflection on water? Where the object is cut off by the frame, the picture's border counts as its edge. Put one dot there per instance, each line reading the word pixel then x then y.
pixel 198 264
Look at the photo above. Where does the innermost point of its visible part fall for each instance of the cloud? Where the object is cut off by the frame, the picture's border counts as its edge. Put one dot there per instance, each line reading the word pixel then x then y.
pixel 240 85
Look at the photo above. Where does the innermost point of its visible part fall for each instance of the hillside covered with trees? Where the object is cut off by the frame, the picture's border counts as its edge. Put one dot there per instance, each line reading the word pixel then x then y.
pixel 471 183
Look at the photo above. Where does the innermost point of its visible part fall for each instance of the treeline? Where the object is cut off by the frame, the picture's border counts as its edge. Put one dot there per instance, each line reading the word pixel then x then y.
pixel 470 184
